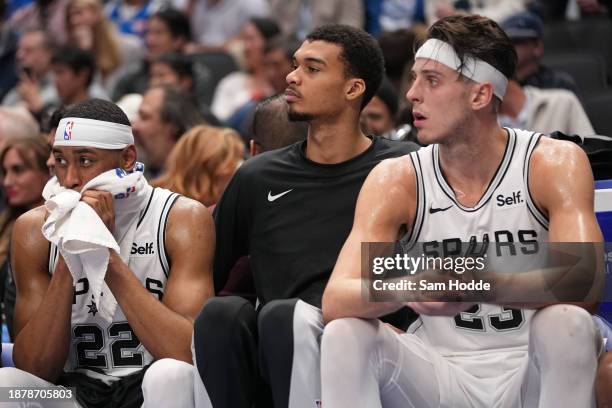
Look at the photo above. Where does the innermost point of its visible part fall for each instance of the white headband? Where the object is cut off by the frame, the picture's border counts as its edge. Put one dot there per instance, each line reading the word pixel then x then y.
pixel 473 68
pixel 92 133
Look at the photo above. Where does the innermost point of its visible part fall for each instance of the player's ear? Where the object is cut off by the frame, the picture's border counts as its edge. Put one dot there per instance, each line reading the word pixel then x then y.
pixel 355 88
pixel 481 96
pixel 128 157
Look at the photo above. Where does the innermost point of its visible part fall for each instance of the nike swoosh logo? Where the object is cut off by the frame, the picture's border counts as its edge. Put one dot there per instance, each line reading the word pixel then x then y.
pixel 435 210
pixel 277 196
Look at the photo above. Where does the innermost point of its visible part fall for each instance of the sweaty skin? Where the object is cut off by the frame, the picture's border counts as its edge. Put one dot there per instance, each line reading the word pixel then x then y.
pixel 44 302
pixel 471 147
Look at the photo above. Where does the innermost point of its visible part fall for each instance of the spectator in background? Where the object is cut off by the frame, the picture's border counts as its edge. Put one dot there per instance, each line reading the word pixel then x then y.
pixel 16 121
pixel 8 51
pixel 382 116
pixel 131 16
pixel 165 114
pixel 497 10
pixel 272 128
pixel 168 31
pixel 278 63
pixel 89 29
pixel 543 110
pixel 171 69
pixel 24 176
pixel 398 50
pixel 401 14
pixel 379 115
pixel 202 162
pixel 35 88
pixel 525 30
pixel 238 88
pixel 176 69
pixel 216 22
pixel 73 74
pixel 48 15
pixel 298 17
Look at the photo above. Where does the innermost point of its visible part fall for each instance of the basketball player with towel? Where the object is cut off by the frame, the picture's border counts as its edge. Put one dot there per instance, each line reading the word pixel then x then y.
pixel 457 354
pixel 110 273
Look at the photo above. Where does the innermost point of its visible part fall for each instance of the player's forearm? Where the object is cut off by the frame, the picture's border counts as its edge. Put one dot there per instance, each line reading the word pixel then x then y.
pixel 41 347
pixel 163 332
pixel 344 298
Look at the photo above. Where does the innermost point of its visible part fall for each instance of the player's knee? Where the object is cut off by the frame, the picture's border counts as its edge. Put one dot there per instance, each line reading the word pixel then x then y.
pixel 276 319
pixel 567 321
pixel 223 320
pixel 565 330
pixel 166 374
pixel 360 332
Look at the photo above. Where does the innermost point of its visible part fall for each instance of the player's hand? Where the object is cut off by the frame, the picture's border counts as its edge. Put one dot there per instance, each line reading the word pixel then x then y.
pixel 102 203
pixel 29 90
pixel 439 308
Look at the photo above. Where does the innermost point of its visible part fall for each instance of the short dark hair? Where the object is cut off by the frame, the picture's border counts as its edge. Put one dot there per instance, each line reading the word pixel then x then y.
pixel 398 50
pixel 98 109
pixel 271 126
pixel 77 60
pixel 267 27
pixel 479 37
pixel 176 21
pixel 360 53
pixel 180 109
pixel 388 95
pixel 179 63
pixel 288 45
pixel 53 120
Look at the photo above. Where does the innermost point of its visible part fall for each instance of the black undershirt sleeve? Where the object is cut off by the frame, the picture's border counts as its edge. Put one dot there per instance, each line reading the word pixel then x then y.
pixel 231 225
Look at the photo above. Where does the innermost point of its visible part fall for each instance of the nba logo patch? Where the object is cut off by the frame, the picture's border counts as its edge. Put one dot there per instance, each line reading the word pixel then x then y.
pixel 318 403
pixel 68 130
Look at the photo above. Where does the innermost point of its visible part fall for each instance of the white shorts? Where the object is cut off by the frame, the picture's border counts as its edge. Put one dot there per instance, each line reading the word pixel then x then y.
pixel 495 379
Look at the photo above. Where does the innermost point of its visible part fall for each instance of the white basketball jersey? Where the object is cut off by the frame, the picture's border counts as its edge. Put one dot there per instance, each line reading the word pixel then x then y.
pixel 113 349
pixel 505 213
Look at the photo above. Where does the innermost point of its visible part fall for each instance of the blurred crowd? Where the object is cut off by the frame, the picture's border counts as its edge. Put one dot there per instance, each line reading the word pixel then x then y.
pixel 192 74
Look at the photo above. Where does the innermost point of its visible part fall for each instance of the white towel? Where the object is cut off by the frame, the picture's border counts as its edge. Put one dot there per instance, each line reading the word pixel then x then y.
pixel 83 239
